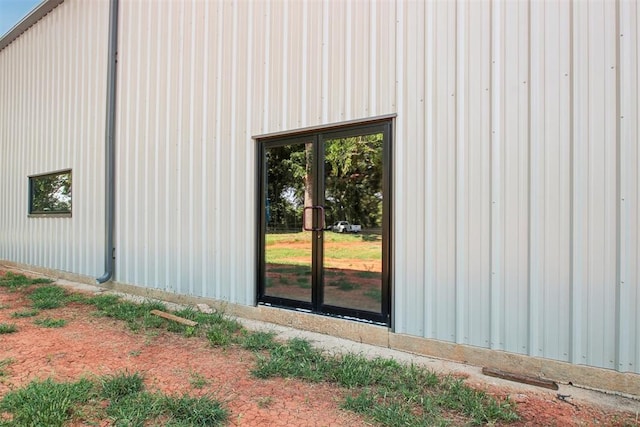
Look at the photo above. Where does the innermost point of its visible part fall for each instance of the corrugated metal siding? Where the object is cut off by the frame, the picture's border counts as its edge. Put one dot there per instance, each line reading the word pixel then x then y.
pixel 510 158
pixel 52 110
pixel 196 81
pixel 628 316
pixel 517 183
pixel 516 213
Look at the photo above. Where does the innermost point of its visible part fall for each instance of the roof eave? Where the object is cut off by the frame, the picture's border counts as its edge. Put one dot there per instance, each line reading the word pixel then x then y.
pixel 37 14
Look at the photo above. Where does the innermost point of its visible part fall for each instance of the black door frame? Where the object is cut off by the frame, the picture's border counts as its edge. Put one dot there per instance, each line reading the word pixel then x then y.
pixel 317 136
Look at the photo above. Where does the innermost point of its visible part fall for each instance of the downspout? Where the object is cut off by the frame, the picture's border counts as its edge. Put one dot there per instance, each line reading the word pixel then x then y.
pixel 110 143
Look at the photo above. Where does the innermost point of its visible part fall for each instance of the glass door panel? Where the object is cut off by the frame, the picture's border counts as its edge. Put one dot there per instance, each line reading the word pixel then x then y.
pixel 325 222
pixel 353 203
pixel 287 246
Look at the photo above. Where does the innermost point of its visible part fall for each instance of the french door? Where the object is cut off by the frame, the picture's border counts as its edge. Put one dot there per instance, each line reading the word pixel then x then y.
pixel 324 212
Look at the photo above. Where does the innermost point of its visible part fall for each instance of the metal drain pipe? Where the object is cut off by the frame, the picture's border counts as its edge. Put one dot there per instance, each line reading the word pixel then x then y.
pixel 110 142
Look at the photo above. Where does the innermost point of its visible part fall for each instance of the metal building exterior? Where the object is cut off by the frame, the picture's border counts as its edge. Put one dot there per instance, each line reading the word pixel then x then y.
pixel 513 166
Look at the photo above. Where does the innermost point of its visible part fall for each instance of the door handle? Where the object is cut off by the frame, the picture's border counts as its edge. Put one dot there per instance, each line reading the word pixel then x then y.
pixel 304 218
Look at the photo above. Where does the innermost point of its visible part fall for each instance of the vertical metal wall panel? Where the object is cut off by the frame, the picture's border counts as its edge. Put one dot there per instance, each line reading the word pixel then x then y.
pixel 473 226
pixel 515 183
pixel 413 297
pixel 595 184
pixel 550 181
pixel 52 104
pixel 628 345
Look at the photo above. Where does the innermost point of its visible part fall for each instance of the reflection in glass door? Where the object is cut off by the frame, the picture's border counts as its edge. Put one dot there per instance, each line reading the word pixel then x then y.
pixel 325 222
pixel 288 247
pixel 353 202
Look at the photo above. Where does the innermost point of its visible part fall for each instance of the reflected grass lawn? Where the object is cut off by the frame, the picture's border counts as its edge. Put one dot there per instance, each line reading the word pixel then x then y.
pixel 339 246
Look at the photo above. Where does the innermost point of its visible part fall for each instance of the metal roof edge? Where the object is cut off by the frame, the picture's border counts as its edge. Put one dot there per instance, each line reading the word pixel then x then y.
pixel 36 14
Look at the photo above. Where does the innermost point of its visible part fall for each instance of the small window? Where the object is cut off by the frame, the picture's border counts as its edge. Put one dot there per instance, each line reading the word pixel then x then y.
pixel 50 194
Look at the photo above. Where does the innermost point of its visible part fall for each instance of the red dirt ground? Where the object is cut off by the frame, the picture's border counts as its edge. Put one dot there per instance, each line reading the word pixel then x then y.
pixel 90 345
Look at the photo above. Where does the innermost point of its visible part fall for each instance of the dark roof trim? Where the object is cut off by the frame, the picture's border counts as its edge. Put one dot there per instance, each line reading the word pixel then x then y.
pixel 37 14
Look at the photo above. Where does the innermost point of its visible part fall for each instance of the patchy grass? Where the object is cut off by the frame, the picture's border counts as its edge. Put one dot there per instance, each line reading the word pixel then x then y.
pixel 382 390
pixel 197 380
pixel 48 322
pixel 385 391
pixel 137 316
pixel 48 297
pixel 119 399
pixel 14 281
pixel 256 341
pixel 25 313
pixel 187 410
pixel 121 385
pixel 45 403
pixel 4 364
pixel 8 328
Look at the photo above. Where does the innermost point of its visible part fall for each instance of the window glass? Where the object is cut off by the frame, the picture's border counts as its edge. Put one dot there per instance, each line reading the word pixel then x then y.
pixel 50 194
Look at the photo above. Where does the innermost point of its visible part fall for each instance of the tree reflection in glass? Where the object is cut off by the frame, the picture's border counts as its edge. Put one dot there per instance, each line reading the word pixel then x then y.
pixel 51 193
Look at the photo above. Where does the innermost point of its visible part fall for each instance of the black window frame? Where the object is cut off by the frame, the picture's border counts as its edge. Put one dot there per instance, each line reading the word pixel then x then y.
pixel 385 124
pixel 63 213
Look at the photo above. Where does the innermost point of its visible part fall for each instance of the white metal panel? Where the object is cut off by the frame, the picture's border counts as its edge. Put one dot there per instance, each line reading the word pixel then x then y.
pixel 628 345
pixel 52 103
pixel 595 181
pixel 509 202
pixel 408 270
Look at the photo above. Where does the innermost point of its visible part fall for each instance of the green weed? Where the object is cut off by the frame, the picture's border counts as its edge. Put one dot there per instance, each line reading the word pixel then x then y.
pixel 137 316
pixel 135 410
pixel 48 322
pixel 186 410
pixel 45 403
pixel 25 313
pixel 4 364
pixel 48 297
pixel 14 281
pixel 8 328
pixel 386 391
pixel 197 380
pixel 121 385
pixel 294 359
pixel 255 341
